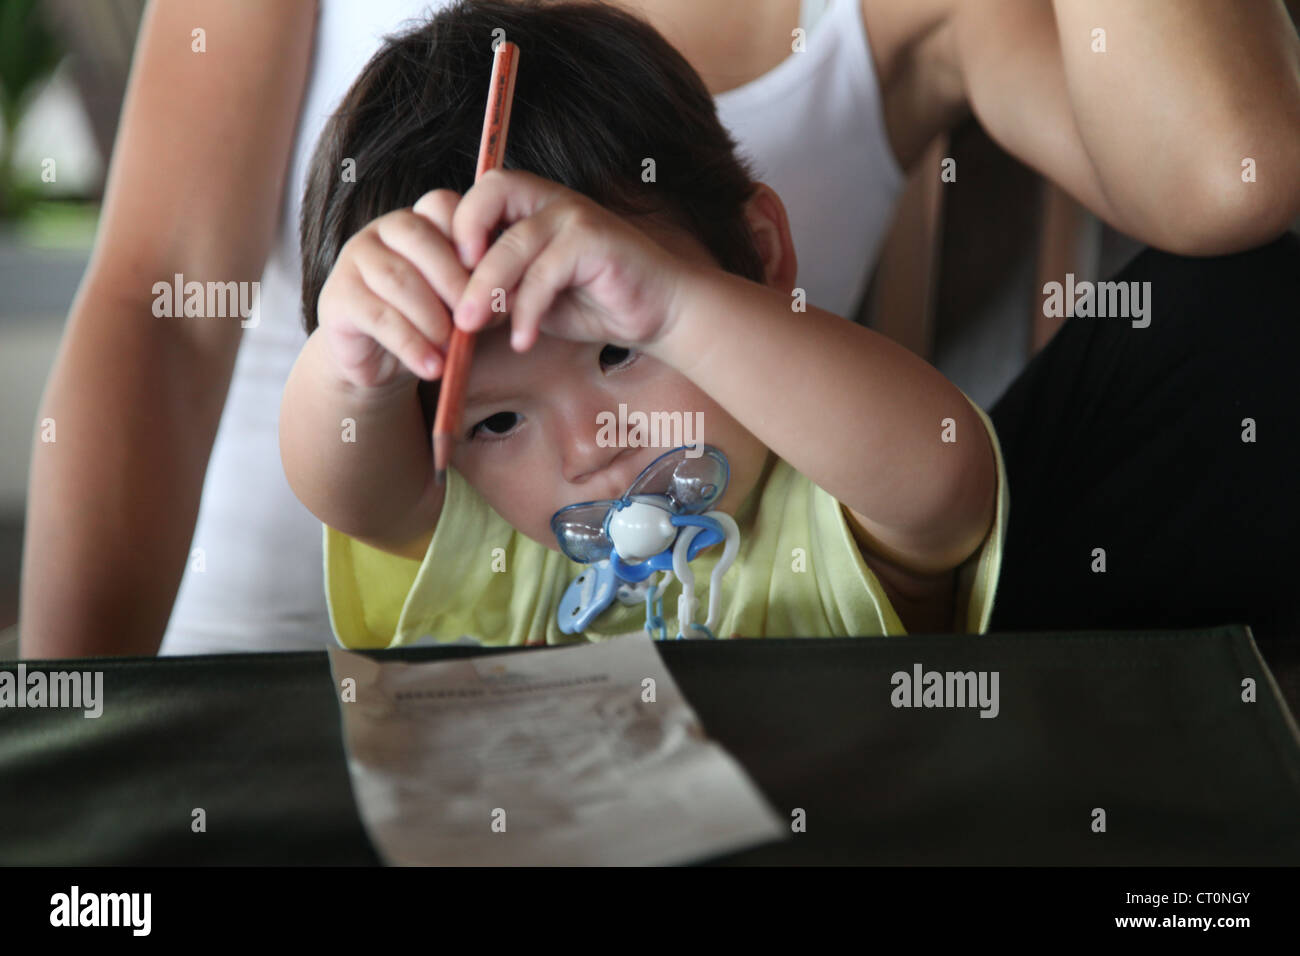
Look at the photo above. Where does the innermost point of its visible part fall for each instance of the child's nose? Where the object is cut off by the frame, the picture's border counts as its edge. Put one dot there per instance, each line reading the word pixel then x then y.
pixel 586 459
pixel 585 448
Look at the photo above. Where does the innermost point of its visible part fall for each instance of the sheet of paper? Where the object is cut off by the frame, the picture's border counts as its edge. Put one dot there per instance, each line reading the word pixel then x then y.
pixel 579 755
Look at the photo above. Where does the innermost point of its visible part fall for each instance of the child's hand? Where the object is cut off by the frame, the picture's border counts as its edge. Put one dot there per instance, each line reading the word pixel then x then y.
pixel 602 279
pixel 385 308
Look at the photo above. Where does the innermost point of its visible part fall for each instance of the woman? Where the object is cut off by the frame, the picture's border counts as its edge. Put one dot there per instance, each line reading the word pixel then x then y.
pixel 205 182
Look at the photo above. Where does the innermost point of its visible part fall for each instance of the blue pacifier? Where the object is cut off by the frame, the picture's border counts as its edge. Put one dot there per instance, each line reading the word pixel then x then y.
pixel 660 525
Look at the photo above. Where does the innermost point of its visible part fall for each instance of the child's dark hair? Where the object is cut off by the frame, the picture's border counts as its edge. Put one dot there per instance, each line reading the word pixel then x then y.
pixel 598 91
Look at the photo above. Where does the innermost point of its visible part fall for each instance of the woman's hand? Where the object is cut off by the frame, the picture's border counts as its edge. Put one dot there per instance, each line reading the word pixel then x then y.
pixel 385 308
pixel 564 265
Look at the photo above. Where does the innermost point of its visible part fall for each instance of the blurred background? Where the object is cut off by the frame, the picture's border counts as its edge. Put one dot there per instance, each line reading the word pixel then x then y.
pixel 957 281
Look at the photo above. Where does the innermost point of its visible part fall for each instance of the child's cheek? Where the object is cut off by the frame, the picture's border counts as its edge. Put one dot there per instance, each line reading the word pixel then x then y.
pixel 524 510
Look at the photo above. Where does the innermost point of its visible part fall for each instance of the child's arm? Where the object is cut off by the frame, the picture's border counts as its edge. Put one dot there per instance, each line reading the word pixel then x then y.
pixel 353 437
pixel 378 488
pixel 861 416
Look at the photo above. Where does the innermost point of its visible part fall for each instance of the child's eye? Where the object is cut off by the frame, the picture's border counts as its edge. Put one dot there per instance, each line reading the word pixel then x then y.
pixel 497 425
pixel 615 355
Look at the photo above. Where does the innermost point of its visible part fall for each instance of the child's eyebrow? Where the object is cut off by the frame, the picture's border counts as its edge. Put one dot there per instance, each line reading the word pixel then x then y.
pixel 489 396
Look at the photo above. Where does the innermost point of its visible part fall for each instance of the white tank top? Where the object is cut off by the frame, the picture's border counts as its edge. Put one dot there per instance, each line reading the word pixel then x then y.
pixel 812 128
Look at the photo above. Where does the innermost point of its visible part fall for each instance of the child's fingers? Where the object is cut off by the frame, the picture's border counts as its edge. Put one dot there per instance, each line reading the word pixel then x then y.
pixel 499 196
pixel 392 277
pixel 438 206
pixel 442 266
pixel 422 240
pixel 502 268
pixel 378 319
pixel 549 274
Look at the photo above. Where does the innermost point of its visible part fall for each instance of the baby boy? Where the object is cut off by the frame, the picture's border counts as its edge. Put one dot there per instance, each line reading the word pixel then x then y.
pixel 625 258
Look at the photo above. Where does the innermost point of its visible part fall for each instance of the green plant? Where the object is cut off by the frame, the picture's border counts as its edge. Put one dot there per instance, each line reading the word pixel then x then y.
pixel 29 53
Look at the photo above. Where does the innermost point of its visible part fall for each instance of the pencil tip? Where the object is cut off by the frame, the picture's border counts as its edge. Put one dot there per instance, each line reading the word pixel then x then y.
pixel 442 448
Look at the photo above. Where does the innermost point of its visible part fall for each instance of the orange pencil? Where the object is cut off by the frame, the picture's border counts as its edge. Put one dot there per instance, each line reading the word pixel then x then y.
pixel 491 154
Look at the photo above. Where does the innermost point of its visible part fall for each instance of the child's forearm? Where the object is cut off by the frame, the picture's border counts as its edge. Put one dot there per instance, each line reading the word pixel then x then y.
pixel 861 416
pixel 359 459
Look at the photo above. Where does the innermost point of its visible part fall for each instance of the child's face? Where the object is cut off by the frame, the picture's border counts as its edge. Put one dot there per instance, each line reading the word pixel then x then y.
pixel 535 419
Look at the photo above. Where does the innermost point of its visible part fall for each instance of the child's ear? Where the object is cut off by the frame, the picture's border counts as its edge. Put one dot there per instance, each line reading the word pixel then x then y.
pixel 766 216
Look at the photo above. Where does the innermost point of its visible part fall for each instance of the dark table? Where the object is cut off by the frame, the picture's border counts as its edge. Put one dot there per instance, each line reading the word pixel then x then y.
pixel 1148 726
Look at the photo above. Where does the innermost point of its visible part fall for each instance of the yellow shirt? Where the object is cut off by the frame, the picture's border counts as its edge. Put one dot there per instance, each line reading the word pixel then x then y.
pixel 798 573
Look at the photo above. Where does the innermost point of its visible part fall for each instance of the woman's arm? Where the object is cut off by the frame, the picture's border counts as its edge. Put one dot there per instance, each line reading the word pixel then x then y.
pixel 1150 134
pixel 194 187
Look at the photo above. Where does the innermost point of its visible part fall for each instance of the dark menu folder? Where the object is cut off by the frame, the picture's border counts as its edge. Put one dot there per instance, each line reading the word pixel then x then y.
pixel 1143 748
